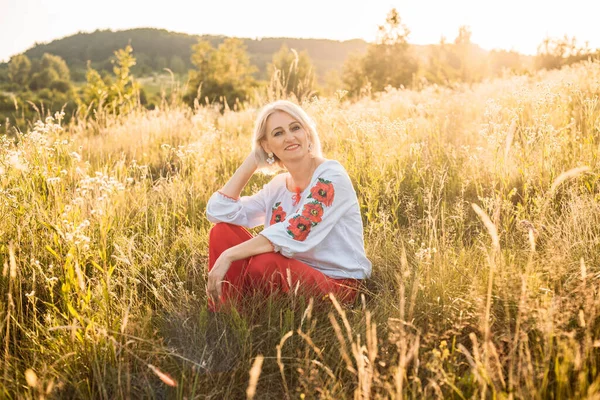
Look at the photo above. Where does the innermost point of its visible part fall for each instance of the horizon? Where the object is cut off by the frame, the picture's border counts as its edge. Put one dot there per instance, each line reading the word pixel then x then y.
pixel 258 38
pixel 492 27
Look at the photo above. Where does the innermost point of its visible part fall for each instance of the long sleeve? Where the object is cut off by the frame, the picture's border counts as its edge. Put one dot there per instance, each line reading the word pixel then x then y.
pixel 330 197
pixel 248 211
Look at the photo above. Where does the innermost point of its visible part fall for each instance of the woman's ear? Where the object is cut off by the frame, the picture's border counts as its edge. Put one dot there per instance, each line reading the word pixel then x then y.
pixel 264 146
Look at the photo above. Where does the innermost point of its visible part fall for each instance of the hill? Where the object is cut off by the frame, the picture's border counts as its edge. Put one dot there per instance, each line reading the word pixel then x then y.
pixel 156 49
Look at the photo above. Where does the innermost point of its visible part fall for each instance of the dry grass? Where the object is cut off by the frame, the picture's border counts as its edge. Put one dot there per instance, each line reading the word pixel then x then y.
pixel 104 243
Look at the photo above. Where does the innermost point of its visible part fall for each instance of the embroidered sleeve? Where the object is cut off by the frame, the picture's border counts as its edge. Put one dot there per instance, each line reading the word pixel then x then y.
pixel 277 214
pixel 329 198
pixel 247 211
pixel 229 197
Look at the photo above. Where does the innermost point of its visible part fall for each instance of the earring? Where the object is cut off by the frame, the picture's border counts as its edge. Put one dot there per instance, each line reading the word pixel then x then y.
pixel 309 147
pixel 270 158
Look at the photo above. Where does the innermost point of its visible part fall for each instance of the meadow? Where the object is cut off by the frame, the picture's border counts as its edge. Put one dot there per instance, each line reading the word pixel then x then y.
pixel 481 210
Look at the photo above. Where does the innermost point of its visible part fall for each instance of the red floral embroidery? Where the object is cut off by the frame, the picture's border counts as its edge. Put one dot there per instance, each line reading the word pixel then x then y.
pixel 299 227
pixel 278 214
pixel 323 192
pixel 313 211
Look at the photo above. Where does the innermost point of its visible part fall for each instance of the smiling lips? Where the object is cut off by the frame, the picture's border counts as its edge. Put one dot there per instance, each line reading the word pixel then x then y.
pixel 292 147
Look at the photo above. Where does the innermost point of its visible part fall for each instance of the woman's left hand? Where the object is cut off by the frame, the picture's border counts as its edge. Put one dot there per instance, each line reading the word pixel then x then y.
pixel 216 276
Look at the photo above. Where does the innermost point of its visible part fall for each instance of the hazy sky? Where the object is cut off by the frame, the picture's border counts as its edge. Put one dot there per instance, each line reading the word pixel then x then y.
pixel 508 24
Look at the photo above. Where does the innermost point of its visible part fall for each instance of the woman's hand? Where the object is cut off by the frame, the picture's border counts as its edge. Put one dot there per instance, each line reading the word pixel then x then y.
pixel 240 178
pixel 216 276
pixel 257 245
pixel 251 162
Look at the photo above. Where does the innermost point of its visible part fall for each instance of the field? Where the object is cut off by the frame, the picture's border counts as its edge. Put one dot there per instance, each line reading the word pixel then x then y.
pixel 481 209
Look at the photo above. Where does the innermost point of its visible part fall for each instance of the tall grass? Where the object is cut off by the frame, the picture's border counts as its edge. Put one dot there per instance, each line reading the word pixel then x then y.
pixel 482 218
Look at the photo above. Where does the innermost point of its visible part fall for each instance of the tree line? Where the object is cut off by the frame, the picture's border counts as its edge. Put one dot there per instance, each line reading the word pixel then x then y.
pixel 221 71
pixel 156 49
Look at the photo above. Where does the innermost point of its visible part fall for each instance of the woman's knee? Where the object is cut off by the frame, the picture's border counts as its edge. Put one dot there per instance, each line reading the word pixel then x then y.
pixel 222 228
pixel 228 233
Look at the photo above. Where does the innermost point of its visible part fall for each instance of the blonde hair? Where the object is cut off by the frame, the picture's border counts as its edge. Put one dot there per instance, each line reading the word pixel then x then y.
pixel 260 128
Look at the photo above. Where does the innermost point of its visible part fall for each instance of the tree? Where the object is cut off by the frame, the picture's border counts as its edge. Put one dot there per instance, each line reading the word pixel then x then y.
pixel 459 61
pixel 442 66
pixel 49 69
pixel 472 65
pixel 43 79
pixel 556 52
pixel 119 92
pixel 19 68
pixel 222 75
pixel 203 58
pixel 294 72
pixel 389 61
pixel 353 76
pixel 50 61
pixel 95 91
pixel 125 89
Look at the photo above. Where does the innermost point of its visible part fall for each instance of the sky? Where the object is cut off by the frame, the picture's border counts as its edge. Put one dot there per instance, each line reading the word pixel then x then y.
pixel 509 24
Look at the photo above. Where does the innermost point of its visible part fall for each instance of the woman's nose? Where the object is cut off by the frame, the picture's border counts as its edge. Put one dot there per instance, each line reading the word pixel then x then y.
pixel 287 135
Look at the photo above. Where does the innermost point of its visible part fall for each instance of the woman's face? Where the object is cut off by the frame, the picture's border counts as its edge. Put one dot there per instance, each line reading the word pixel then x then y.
pixel 285 137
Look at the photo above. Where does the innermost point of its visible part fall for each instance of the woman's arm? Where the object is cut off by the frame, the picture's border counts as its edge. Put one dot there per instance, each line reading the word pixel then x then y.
pixel 257 245
pixel 226 205
pixel 240 178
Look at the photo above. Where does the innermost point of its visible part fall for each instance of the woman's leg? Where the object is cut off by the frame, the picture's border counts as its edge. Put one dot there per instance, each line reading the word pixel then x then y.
pixel 222 237
pixel 271 272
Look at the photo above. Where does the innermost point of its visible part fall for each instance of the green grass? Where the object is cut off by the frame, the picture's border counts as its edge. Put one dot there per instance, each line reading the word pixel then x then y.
pixel 103 245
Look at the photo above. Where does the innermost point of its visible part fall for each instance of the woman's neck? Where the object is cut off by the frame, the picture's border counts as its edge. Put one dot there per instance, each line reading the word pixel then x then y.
pixel 301 173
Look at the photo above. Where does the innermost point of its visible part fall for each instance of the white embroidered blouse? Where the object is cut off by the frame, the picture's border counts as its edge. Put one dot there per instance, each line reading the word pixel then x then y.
pixel 324 229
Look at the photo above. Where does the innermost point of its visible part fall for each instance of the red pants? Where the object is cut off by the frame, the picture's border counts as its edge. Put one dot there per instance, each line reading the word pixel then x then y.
pixel 269 273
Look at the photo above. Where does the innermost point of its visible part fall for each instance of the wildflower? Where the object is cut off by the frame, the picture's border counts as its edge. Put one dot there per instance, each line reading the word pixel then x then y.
pixel 16 162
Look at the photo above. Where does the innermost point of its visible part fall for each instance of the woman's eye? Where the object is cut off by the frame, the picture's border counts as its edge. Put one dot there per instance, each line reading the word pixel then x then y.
pixel 295 127
pixel 277 133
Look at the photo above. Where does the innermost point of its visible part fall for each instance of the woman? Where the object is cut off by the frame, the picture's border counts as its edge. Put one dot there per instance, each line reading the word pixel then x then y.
pixel 312 241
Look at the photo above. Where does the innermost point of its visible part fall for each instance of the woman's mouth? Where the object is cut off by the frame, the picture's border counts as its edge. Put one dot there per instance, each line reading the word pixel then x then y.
pixel 292 147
